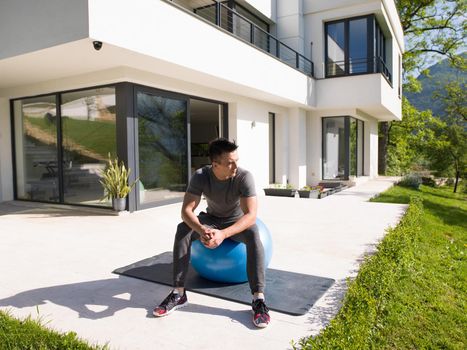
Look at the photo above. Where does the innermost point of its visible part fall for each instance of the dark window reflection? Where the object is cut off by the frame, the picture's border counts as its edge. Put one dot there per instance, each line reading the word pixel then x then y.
pixel 162 147
pixel 358 51
pixel 336 49
pixel 36 149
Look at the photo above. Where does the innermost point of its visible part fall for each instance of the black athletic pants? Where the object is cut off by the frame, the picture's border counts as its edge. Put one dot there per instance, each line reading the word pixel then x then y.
pixel 255 252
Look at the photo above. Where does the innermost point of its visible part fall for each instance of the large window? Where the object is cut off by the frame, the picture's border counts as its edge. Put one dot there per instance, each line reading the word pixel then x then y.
pixel 88 137
pixel 162 147
pixel 342 147
pixel 60 152
pixel 35 121
pixel 355 46
pixel 62 142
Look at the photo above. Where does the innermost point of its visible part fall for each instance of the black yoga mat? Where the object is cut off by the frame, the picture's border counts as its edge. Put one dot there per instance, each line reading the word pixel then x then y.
pixel 287 292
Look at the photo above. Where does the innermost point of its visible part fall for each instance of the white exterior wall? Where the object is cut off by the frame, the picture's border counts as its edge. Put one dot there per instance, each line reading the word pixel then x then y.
pixel 27 26
pixel 266 7
pixel 252 135
pixel 297 147
pixel 217 54
pixel 290 24
pixel 314 144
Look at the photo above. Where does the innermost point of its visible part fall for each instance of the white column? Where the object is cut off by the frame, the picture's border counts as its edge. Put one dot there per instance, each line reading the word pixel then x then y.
pixel 371 148
pixel 6 164
pixel 314 148
pixel 290 26
pixel 297 147
pixel 232 123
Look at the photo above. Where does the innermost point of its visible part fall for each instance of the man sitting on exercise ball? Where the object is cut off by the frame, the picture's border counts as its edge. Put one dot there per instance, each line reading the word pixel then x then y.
pixel 231 213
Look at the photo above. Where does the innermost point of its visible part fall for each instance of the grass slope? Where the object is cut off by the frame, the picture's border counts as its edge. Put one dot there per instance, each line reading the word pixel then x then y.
pixel 412 293
pixel 31 335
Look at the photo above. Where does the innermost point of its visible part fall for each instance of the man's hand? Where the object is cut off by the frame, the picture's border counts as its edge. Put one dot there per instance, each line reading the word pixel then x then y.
pixel 213 238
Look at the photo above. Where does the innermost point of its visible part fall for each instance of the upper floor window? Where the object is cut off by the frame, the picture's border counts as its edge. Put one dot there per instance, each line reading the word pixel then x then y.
pixel 355 46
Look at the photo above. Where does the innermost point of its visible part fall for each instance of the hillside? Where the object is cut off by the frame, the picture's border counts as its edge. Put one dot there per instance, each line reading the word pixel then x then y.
pixel 440 74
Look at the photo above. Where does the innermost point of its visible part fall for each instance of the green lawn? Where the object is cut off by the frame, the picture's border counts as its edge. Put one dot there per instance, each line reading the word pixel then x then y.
pixel 31 335
pixel 412 293
pixel 96 136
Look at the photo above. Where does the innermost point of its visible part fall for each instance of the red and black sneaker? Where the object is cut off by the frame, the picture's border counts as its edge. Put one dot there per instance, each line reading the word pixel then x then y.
pixel 261 317
pixel 173 302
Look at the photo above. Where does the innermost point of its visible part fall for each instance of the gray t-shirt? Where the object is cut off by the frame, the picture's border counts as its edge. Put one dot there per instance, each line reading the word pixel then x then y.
pixel 223 197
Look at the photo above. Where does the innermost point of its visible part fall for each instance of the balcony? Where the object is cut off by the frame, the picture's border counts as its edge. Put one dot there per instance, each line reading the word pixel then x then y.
pixel 244 29
pixel 358 66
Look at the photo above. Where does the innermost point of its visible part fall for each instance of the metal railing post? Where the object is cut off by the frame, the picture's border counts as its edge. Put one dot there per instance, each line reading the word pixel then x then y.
pixel 252 33
pixel 218 13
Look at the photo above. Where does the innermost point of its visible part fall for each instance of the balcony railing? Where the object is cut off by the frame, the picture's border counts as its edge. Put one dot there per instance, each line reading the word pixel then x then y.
pixel 358 66
pixel 224 17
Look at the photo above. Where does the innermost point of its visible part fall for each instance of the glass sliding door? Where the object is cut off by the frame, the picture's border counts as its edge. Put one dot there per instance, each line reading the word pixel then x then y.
pixel 334 146
pixel 342 148
pixel 162 147
pixel 88 137
pixel 35 125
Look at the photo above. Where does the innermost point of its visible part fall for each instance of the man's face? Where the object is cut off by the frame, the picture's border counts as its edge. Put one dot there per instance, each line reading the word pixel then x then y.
pixel 225 167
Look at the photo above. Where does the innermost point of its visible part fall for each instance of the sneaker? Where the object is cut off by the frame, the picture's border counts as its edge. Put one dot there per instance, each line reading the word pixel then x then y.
pixel 173 302
pixel 261 317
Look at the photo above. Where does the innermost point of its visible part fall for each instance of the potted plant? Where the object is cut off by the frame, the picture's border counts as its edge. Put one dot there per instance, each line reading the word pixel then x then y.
pixel 309 192
pixel 115 183
pixel 280 190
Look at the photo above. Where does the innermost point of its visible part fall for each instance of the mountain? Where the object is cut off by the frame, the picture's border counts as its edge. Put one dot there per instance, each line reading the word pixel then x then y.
pixel 440 74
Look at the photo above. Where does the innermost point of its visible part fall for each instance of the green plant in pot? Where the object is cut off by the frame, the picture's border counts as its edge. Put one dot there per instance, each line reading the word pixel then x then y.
pixel 281 190
pixel 115 183
pixel 309 192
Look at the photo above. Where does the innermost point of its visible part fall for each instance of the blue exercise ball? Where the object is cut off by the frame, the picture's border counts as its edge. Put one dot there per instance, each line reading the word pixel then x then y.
pixel 227 263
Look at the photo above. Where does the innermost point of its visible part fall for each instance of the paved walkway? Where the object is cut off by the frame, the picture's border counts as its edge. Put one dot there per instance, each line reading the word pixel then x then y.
pixel 56 263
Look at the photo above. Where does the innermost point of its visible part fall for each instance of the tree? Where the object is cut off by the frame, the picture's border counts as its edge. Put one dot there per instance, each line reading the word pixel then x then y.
pixel 410 138
pixel 432 29
pixel 449 154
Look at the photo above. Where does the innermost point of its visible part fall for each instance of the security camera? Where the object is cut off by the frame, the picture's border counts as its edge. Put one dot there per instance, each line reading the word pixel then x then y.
pixel 97 45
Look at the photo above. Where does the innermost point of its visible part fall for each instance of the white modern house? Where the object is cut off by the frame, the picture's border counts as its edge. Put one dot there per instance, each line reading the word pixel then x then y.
pixel 299 84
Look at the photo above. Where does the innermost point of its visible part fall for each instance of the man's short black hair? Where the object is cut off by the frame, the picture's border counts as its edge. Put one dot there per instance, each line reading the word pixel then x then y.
pixel 220 146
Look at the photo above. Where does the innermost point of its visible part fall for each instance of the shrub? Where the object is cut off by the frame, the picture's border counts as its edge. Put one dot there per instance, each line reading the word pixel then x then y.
pixel 428 181
pixel 411 181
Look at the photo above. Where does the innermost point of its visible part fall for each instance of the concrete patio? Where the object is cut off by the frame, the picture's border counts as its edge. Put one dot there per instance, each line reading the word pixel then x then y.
pixel 56 263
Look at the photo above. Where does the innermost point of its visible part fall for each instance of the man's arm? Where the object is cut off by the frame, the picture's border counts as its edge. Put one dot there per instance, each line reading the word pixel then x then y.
pixel 249 206
pixel 190 203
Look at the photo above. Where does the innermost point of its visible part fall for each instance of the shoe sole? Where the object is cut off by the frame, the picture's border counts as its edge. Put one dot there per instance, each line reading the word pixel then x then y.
pixel 169 312
pixel 259 325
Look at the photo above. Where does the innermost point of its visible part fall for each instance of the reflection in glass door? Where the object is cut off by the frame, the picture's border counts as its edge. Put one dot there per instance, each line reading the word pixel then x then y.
pixel 162 148
pixel 36 149
pixel 88 137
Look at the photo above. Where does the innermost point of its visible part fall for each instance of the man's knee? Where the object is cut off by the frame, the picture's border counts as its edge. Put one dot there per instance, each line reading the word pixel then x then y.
pixel 250 235
pixel 182 230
